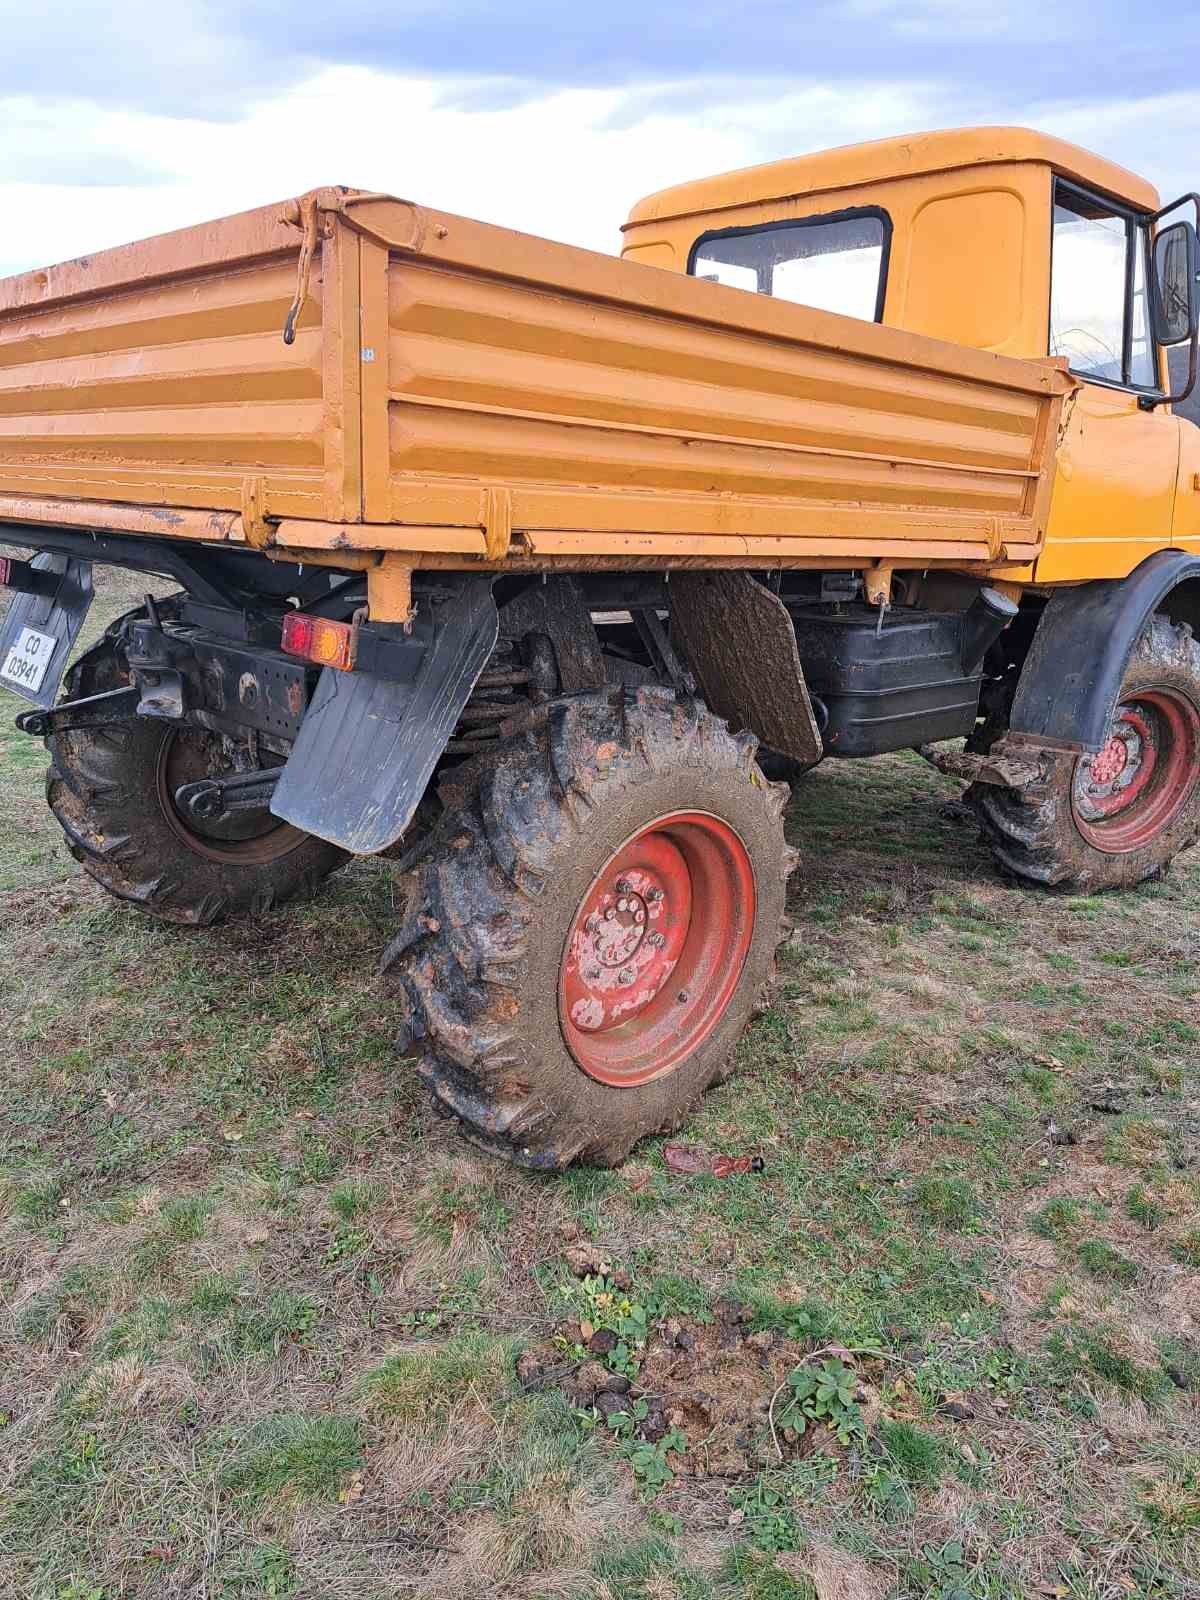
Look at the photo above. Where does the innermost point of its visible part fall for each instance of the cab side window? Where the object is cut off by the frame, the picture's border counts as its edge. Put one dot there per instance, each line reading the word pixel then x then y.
pixel 1099 312
pixel 835 263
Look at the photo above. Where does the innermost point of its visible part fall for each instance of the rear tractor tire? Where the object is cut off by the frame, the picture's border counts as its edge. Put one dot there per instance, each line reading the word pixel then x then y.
pixel 1115 818
pixel 111 786
pixel 591 926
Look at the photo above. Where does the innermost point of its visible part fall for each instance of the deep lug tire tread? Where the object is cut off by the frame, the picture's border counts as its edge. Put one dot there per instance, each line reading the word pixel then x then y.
pixel 100 787
pixel 490 885
pixel 1032 832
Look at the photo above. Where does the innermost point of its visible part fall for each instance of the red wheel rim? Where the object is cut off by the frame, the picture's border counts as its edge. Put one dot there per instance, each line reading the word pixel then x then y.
pixel 1126 794
pixel 656 949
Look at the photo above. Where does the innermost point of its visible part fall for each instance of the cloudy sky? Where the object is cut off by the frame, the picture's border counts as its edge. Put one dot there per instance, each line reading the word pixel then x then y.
pixel 121 118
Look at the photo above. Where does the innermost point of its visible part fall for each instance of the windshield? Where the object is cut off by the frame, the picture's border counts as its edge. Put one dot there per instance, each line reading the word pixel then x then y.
pixel 1099 317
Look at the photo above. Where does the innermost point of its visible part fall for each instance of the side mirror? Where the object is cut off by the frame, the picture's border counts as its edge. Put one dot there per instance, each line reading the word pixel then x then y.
pixel 1175 304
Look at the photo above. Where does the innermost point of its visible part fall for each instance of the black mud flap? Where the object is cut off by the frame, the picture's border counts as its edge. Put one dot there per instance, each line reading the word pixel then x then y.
pixel 37 634
pixel 367 746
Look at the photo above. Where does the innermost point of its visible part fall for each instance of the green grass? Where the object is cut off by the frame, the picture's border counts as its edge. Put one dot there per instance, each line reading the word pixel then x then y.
pixel 1093 1354
pixel 38 1203
pixel 259 1327
pixel 949 1202
pixel 1099 1258
pixel 263 1313
pixel 917 1455
pixel 292 1456
pixel 1143 1207
pixel 1057 1219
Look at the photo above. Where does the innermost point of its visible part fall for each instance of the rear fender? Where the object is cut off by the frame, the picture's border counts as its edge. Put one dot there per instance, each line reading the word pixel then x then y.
pixel 368 746
pixel 1073 673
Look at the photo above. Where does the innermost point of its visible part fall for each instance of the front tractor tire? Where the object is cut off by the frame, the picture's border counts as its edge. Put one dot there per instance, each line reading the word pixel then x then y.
pixel 1115 818
pixel 591 926
pixel 111 786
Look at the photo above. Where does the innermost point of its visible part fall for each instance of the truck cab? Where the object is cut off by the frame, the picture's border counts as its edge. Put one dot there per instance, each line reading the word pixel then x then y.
pixel 1003 239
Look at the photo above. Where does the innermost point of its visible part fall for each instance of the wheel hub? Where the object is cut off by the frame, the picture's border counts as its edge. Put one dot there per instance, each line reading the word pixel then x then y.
pixel 1112 760
pixel 1128 792
pixel 1112 780
pixel 656 949
pixel 628 934
pixel 249 837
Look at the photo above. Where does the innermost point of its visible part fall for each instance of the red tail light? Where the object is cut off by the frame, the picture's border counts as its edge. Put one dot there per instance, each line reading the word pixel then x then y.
pixel 5 570
pixel 317 639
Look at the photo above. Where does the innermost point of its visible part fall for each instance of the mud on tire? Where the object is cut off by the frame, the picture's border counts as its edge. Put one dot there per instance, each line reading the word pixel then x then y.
pixel 490 904
pixel 109 784
pixel 1038 834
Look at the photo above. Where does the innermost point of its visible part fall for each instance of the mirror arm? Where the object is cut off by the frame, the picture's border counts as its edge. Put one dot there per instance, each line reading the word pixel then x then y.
pixel 1147 402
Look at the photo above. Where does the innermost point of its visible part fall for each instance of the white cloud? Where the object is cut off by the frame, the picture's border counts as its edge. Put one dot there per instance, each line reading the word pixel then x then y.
pixel 568 165
pixel 1151 136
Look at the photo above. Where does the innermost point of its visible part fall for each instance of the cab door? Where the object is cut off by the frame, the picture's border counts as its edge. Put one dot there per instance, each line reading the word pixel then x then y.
pixel 1118 463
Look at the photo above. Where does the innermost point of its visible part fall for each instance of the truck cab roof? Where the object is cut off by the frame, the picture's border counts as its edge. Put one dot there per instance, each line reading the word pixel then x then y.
pixel 881 159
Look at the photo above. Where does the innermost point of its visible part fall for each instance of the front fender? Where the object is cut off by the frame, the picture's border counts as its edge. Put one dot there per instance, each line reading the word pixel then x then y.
pixel 1072 675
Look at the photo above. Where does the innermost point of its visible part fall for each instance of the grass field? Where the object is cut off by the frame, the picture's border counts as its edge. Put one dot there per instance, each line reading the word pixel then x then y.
pixel 271 1329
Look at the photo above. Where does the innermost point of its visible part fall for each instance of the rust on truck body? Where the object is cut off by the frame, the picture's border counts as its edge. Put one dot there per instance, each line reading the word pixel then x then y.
pixel 473 396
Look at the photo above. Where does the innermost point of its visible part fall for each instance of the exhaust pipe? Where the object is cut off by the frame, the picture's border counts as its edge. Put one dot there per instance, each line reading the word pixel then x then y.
pixel 983 622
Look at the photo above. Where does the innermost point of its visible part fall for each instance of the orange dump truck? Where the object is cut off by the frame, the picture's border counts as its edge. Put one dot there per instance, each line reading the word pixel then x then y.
pixel 539 568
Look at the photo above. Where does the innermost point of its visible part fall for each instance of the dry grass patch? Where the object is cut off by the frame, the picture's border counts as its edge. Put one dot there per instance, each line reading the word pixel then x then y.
pixel 423 1384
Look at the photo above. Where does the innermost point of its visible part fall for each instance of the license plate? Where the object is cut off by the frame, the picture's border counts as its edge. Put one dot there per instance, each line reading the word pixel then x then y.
pixel 39 630
pixel 28 659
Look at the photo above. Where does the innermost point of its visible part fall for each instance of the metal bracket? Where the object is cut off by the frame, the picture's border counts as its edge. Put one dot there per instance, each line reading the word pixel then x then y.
pixel 877 584
pixel 214 799
pixel 254 522
pixel 497 523
pixel 654 637
pixel 313 214
pixel 389 592
pixel 306 219
pixel 117 703
pixel 1003 766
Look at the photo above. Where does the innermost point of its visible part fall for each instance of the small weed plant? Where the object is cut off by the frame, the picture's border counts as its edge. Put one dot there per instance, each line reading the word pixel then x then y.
pixel 823 1395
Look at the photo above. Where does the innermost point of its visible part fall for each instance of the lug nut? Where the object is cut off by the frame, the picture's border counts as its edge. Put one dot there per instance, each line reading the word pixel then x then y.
pixel 626 976
pixel 654 896
pixel 656 939
pixel 623 886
